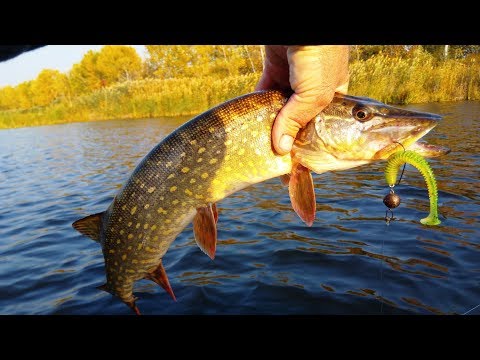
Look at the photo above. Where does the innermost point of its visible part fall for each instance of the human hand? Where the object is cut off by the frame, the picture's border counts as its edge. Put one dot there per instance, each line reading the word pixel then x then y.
pixel 314 73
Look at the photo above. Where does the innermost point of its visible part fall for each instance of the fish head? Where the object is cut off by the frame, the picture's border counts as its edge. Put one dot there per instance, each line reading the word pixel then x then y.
pixel 353 131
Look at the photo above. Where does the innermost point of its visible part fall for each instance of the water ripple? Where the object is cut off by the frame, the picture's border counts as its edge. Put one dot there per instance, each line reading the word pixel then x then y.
pixel 267 261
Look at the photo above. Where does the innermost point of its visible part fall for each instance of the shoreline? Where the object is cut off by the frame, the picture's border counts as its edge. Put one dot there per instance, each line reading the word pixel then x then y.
pixel 416 79
pixel 190 116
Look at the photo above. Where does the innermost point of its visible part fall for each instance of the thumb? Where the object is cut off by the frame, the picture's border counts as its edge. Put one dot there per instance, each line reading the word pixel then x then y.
pixel 295 114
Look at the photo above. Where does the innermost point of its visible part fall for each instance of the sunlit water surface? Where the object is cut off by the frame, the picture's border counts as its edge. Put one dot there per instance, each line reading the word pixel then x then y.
pixel 267 260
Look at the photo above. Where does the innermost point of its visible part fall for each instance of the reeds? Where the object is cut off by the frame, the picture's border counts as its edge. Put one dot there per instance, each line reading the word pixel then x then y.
pixel 137 99
pixel 415 78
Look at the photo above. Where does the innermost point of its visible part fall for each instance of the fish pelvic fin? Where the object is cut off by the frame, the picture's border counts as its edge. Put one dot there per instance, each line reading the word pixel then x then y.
pixel 90 226
pixel 302 193
pixel 205 229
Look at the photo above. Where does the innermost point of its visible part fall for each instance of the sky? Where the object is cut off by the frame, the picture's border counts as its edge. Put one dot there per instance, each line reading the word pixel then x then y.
pixel 61 57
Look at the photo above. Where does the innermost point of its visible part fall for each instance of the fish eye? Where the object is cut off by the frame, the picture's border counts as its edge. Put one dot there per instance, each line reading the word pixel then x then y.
pixel 361 114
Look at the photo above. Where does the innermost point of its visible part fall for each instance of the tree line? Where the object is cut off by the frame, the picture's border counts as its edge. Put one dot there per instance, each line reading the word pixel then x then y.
pixel 115 82
pixel 115 64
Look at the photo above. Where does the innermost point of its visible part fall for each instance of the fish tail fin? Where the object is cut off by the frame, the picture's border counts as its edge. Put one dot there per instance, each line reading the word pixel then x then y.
pixel 132 305
pixel 130 302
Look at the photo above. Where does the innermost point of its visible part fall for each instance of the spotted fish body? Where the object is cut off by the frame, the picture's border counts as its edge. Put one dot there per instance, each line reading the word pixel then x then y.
pixel 208 158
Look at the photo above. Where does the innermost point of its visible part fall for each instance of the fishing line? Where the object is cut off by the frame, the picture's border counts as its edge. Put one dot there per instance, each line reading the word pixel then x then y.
pixel 387 219
pixel 404 165
pixel 471 309
pixel 381 276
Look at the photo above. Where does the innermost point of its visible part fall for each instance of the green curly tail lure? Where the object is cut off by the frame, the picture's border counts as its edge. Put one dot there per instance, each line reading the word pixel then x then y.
pixel 413 158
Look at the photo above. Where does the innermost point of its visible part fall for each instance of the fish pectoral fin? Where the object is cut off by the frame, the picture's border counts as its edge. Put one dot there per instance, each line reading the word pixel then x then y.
pixel 90 226
pixel 215 212
pixel 285 179
pixel 302 193
pixel 205 229
pixel 159 275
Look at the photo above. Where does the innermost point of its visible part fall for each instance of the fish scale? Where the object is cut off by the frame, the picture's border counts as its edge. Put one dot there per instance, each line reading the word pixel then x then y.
pixel 217 153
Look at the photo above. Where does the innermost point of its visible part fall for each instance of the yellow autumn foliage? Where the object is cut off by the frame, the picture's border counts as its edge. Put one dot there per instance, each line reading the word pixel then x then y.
pixel 186 80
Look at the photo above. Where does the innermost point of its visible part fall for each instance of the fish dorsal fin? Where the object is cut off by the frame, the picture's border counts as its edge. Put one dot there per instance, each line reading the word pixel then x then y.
pixel 302 193
pixel 90 226
pixel 205 229
pixel 159 275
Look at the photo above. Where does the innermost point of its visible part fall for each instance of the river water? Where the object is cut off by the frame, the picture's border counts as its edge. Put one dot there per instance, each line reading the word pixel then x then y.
pixel 267 260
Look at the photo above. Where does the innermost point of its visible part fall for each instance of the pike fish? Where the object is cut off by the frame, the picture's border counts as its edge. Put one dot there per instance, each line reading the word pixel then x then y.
pixel 224 150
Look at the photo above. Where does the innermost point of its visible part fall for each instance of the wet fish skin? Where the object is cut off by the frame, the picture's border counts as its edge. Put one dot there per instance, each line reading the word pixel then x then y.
pixel 219 152
pixel 215 154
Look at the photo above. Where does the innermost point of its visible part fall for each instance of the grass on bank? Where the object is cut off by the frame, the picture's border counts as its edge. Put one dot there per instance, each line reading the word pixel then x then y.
pixel 416 79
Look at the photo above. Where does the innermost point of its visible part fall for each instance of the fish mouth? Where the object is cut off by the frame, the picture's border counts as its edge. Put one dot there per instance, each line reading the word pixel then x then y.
pixel 404 129
pixel 428 150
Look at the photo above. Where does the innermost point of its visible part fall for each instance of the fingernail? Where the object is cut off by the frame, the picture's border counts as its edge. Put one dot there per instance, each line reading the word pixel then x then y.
pixel 286 142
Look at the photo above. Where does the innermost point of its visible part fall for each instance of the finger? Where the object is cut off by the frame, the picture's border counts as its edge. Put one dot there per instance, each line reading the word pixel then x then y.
pixel 296 113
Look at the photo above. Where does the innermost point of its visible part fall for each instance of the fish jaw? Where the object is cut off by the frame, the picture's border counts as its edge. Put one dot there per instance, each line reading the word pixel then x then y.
pixel 400 133
pixel 428 150
pixel 353 131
